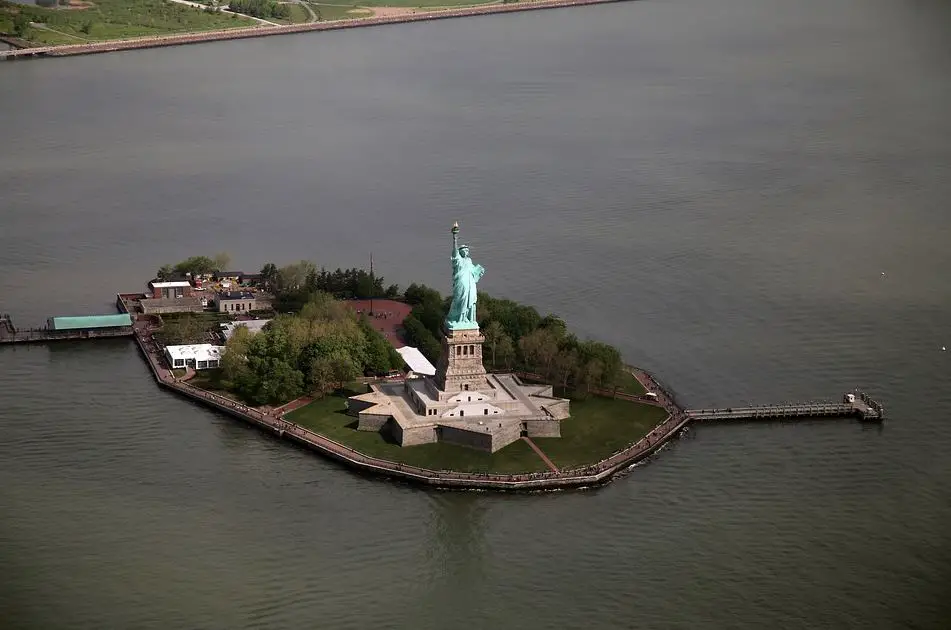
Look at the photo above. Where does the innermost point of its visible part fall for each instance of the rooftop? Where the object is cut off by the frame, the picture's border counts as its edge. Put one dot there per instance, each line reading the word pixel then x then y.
pixel 235 295
pixel 170 284
pixel 253 325
pixel 416 361
pixel 90 321
pixel 196 351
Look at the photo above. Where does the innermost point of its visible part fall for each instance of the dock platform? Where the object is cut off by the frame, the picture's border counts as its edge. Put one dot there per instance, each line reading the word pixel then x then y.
pixel 854 404
pixel 10 334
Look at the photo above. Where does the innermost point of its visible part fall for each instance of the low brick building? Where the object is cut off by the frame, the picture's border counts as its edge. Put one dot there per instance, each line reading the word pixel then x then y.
pixel 171 289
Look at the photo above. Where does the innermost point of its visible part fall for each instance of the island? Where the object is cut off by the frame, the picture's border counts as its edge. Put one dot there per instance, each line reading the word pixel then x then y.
pixel 457 390
pixel 466 391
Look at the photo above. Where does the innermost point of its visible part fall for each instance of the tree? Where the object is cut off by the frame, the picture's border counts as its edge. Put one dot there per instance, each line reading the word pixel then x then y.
pixel 164 273
pixel 505 350
pixel 564 366
pixel 86 28
pixel 421 337
pixel 591 373
pixel 234 362
pixel 182 330
pixel 493 334
pixel 294 276
pixel 555 324
pixel 329 372
pixel 421 294
pixel 196 266
pixel 222 261
pixel 269 276
pixel 539 350
pixel 378 351
pixel 609 357
pixel 21 23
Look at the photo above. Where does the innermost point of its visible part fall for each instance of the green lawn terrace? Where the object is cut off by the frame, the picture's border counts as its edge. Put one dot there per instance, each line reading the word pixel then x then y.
pixel 598 427
pixel 86 21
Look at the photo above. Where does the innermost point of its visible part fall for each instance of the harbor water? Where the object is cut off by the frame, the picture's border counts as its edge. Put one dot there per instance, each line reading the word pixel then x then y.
pixel 748 197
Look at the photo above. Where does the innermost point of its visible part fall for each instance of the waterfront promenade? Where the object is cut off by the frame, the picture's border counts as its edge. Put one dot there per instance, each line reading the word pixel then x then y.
pixel 265 31
pixel 273 421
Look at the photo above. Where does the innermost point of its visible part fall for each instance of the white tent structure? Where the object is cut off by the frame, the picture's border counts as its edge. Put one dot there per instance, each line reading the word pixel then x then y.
pixel 416 362
pixel 253 326
pixel 201 356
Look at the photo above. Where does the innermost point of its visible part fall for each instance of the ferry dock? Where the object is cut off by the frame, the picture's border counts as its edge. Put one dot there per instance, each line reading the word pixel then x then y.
pixel 67 329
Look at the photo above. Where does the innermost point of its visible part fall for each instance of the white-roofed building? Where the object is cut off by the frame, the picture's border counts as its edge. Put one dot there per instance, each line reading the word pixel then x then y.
pixel 201 356
pixel 167 290
pixel 253 326
pixel 416 362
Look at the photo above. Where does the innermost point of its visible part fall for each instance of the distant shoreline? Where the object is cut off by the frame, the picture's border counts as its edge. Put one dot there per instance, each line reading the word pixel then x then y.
pixel 266 31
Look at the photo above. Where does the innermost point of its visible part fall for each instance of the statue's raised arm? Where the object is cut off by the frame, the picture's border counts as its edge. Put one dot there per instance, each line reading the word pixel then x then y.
pixel 465 275
pixel 455 241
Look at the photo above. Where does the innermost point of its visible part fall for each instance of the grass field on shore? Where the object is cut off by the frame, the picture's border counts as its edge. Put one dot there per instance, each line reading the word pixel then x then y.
pixel 597 428
pixel 113 19
pixel 327 417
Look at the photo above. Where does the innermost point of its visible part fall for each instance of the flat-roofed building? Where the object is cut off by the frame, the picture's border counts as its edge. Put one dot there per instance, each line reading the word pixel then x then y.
pixel 173 289
pixel 90 322
pixel 201 356
pixel 236 302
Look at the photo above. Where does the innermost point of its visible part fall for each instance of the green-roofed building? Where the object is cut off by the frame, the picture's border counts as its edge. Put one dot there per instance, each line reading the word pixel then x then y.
pixel 90 322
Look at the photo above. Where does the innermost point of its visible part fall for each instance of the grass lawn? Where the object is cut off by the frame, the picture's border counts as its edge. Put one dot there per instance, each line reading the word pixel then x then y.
pixel 114 19
pixel 331 12
pixel 210 380
pixel 178 373
pixel 327 417
pixel 598 427
pixel 207 379
pixel 299 15
pixel 630 385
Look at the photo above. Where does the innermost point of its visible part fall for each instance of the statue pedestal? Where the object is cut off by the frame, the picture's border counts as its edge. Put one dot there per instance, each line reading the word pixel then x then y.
pixel 460 366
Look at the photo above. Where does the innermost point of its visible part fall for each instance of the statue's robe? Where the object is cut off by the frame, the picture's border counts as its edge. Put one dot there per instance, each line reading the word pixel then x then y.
pixel 465 275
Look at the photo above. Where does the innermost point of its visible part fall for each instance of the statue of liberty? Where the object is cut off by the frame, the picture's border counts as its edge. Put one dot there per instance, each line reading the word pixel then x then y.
pixel 465 275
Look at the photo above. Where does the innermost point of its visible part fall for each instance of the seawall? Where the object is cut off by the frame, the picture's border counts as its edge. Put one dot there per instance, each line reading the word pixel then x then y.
pixel 275 424
pixel 265 31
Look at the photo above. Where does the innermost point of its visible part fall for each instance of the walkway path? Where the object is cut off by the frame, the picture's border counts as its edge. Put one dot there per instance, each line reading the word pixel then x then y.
pixel 541 454
pixel 294 404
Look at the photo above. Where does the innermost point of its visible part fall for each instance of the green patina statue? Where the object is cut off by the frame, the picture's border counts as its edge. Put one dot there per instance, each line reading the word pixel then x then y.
pixel 465 275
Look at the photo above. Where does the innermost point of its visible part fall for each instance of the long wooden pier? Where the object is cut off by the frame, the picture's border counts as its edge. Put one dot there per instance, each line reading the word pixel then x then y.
pixel 854 404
